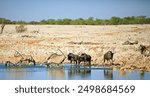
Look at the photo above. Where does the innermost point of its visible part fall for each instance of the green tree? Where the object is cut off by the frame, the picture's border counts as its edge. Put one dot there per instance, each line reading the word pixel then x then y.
pixel 21 22
pixel 115 20
pixel 79 21
pixel 6 21
pixel 67 21
pixel 59 21
pixel 51 21
pixel 141 19
pixel 34 22
pixel 89 21
pixel 43 22
pixel 98 21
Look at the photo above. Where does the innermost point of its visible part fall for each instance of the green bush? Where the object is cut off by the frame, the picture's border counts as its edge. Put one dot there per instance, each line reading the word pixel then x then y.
pixel 89 21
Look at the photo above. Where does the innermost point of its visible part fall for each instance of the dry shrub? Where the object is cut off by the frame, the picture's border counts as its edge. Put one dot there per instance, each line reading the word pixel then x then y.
pixel 21 28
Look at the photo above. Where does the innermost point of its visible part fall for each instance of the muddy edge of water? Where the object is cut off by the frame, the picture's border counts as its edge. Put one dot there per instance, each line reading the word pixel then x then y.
pixel 113 67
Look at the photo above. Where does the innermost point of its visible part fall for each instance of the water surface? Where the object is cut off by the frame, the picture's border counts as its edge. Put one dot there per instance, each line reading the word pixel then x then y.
pixel 69 72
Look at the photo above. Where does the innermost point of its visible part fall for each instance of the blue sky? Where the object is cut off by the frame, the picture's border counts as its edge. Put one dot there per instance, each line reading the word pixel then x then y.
pixel 29 10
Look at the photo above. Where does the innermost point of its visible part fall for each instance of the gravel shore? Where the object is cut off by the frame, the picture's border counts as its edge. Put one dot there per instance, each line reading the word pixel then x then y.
pixel 40 41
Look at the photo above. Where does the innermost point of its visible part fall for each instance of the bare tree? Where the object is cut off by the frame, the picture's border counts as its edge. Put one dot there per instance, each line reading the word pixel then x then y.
pixel 2 27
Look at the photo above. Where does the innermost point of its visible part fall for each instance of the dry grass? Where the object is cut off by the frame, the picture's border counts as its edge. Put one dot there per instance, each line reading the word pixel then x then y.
pixel 21 28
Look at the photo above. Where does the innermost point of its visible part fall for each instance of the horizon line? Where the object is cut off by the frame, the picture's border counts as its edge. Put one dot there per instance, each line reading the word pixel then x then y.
pixel 94 18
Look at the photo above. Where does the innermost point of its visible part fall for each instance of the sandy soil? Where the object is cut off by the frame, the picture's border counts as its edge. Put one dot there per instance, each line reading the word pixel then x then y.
pixel 93 40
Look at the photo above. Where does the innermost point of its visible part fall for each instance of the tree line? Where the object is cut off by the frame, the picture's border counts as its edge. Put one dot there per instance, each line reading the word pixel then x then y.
pixel 89 21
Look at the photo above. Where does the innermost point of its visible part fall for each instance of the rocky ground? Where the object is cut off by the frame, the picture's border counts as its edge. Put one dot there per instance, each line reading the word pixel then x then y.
pixel 40 41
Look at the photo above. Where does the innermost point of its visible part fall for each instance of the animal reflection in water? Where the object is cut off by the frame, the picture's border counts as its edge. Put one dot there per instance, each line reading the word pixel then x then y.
pixel 141 74
pixel 57 73
pixel 122 73
pixel 17 73
pixel 127 73
pixel 108 74
pixel 78 71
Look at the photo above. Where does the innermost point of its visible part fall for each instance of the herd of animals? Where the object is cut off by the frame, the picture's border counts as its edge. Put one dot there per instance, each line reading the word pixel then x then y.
pixel 85 58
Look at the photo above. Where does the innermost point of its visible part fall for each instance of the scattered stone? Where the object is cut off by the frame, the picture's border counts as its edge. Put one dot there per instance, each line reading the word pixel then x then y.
pixel 130 43
pixel 27 36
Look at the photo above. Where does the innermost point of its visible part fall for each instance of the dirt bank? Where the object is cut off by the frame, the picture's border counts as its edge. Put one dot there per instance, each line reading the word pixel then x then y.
pixel 41 41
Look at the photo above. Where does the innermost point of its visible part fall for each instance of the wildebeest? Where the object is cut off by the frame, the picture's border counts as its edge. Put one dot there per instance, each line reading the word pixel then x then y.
pixel 73 57
pixel 108 56
pixel 85 58
pixel 144 50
